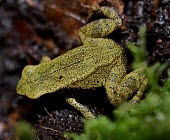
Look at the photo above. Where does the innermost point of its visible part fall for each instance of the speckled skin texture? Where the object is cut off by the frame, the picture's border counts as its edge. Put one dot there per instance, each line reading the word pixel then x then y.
pixel 98 62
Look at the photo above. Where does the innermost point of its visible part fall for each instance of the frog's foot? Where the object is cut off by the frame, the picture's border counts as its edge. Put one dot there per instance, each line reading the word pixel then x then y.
pixel 137 97
pixel 131 86
pixel 83 109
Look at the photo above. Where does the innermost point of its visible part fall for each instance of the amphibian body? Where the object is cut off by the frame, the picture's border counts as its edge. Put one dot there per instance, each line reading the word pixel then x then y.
pixel 98 62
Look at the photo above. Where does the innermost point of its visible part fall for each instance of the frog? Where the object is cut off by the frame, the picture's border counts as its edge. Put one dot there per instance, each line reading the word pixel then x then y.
pixel 98 62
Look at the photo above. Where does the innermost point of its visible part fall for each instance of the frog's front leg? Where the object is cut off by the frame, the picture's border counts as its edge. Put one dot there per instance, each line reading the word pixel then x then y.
pixel 83 109
pixel 131 86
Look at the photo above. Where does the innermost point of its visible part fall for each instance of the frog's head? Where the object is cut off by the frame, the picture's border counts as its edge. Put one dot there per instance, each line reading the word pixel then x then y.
pixel 29 82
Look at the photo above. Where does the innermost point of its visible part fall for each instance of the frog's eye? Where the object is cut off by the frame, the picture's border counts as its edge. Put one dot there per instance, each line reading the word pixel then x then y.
pixel 28 71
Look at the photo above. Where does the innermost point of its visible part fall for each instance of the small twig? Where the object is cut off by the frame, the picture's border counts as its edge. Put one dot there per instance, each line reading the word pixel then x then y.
pixel 94 6
pixel 48 128
pixel 74 16
pixel 49 114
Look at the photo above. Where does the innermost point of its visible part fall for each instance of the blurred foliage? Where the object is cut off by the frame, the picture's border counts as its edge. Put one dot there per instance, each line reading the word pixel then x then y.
pixel 139 53
pixel 24 131
pixel 150 119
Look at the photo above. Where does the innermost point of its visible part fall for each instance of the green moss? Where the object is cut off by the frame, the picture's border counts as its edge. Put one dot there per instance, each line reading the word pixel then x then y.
pixel 24 131
pixel 139 53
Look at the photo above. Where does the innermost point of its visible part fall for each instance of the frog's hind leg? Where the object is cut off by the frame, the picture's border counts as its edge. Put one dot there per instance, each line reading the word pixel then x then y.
pixel 116 75
pixel 137 97
pixel 83 109
pixel 94 31
pixel 131 86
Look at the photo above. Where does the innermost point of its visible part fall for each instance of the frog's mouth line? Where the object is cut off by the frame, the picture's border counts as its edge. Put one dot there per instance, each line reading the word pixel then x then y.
pixel 33 96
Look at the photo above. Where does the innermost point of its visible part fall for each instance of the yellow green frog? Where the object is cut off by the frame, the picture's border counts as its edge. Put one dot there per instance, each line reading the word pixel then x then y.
pixel 98 62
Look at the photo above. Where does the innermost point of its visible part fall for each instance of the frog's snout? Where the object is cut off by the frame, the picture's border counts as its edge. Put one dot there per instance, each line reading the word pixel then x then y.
pixel 22 88
pixel 25 84
pixel 26 90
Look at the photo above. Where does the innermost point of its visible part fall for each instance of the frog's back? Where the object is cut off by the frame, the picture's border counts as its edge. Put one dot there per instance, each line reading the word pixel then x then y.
pixel 75 65
pixel 79 63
